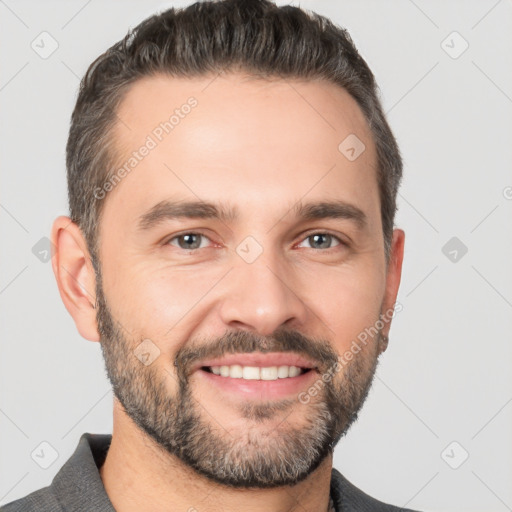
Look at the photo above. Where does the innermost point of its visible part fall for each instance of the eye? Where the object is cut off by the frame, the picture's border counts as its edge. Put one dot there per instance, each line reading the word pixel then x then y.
pixel 192 241
pixel 321 240
pixel 188 241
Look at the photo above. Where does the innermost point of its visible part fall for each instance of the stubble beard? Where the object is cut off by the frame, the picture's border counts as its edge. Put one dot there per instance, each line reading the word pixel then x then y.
pixel 263 455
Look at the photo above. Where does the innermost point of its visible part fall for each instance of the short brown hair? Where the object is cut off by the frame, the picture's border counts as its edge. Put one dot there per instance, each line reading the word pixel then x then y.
pixel 215 36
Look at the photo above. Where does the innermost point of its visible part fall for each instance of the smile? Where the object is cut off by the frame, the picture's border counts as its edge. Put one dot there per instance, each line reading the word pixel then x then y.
pixel 237 371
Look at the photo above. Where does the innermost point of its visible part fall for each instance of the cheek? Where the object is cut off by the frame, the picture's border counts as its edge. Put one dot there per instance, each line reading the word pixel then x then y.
pixel 161 300
pixel 348 302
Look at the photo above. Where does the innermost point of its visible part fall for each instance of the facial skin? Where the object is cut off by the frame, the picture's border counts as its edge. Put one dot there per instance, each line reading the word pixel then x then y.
pixel 261 148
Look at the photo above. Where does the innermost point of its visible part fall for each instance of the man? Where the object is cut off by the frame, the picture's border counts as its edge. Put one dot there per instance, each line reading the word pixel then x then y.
pixel 232 184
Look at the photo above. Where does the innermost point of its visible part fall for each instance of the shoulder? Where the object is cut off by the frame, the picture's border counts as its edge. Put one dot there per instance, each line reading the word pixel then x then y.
pixel 351 498
pixel 42 500
pixel 76 483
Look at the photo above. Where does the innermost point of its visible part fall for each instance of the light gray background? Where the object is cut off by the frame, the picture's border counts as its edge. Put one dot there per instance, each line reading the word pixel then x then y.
pixel 446 375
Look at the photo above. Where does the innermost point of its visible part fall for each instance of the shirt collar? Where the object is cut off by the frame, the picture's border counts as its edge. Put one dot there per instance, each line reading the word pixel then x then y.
pixel 79 480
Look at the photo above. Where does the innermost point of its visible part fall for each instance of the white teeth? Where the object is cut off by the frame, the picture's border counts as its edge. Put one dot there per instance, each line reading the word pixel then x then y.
pixel 282 372
pixel 293 371
pixel 269 373
pixel 237 371
pixel 251 372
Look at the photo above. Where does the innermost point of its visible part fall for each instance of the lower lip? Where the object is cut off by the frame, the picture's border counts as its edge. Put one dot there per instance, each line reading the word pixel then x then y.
pixel 262 389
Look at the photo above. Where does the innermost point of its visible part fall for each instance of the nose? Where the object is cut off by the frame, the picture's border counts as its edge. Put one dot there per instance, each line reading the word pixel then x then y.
pixel 261 297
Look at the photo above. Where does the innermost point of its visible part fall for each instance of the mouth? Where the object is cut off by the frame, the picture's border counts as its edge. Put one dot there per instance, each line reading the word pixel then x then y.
pixel 258 375
pixel 237 371
pixel 258 365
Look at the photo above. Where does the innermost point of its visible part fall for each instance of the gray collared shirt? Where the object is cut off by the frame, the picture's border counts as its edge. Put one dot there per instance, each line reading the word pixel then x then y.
pixel 78 487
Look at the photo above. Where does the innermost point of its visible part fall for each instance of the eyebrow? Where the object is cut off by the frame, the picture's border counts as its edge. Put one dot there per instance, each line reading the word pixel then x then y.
pixel 336 209
pixel 171 210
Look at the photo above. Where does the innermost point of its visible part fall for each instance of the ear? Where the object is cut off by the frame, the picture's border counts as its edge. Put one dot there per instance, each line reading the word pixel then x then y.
pixel 75 276
pixel 393 276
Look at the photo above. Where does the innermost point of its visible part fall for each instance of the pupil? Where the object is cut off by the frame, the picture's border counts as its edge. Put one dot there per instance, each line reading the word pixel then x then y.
pixel 326 238
pixel 190 238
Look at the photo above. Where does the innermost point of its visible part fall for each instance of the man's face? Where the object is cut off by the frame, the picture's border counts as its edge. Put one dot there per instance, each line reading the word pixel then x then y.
pixel 182 294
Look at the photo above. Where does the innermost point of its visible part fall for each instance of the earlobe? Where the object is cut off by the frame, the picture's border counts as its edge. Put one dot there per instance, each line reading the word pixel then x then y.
pixel 383 343
pixel 75 276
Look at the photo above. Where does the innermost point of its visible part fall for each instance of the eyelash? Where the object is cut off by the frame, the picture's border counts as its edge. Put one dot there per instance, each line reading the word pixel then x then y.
pixel 341 243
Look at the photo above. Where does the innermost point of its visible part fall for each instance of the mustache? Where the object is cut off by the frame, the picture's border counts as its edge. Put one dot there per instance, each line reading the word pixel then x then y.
pixel 318 350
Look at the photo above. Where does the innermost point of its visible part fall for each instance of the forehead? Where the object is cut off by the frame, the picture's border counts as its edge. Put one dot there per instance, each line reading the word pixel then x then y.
pixel 240 140
pixel 226 104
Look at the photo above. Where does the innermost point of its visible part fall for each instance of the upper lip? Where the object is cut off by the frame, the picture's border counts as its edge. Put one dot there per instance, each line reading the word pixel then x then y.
pixel 259 359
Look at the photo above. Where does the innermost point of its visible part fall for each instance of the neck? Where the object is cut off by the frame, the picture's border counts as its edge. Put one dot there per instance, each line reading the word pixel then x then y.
pixel 139 476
